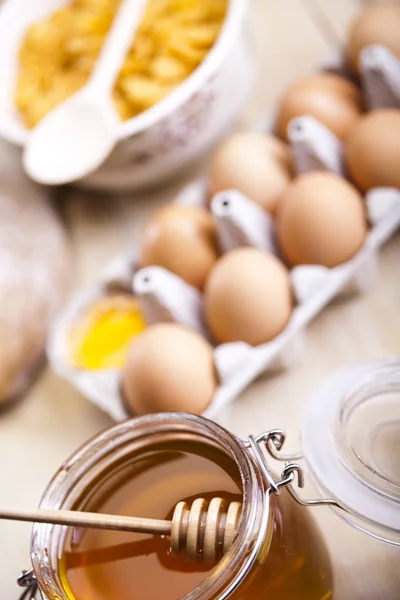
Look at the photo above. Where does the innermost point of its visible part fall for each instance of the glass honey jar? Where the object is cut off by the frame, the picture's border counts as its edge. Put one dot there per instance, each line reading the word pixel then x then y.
pixel 144 466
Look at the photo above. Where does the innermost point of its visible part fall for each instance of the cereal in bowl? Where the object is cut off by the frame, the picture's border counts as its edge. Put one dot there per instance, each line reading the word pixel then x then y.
pixel 58 53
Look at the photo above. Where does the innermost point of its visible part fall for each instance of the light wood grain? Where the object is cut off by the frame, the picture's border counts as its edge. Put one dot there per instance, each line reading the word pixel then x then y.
pixel 334 18
pixel 40 432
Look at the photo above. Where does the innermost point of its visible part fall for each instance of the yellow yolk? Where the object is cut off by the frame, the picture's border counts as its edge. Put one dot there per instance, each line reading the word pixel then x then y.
pixel 102 335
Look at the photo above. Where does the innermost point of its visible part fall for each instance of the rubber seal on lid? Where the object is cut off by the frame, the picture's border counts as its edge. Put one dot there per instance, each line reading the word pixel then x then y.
pixel 351 443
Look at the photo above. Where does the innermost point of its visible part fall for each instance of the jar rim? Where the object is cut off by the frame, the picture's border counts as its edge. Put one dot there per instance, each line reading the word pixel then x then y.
pixel 340 427
pixel 88 462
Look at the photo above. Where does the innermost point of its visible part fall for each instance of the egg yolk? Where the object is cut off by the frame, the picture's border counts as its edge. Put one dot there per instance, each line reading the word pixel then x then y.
pixel 102 335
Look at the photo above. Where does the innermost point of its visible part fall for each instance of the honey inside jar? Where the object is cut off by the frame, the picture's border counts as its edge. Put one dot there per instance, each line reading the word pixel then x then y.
pixel 103 565
pixel 58 53
pixel 108 565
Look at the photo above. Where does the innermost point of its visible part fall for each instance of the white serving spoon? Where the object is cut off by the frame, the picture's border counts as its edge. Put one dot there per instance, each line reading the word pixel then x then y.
pixel 77 136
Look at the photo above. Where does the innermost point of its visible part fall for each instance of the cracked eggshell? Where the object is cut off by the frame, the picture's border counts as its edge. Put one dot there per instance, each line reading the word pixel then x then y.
pixel 169 368
pixel 248 297
pixel 259 166
pixel 333 100
pixel 183 240
pixel 321 220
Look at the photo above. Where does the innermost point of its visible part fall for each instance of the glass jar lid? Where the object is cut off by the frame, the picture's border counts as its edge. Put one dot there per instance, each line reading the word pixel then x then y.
pixel 351 442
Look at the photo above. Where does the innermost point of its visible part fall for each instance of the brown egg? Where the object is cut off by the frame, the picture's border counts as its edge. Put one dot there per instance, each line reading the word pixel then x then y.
pixel 372 149
pixel 321 220
pixel 247 297
pixel 182 239
pixel 169 368
pixel 331 99
pixel 259 166
pixel 378 24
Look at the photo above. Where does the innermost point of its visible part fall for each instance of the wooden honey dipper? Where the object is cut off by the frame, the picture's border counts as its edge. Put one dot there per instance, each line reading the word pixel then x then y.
pixel 205 531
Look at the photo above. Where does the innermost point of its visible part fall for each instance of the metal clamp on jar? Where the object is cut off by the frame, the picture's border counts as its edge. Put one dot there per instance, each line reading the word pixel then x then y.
pixel 350 446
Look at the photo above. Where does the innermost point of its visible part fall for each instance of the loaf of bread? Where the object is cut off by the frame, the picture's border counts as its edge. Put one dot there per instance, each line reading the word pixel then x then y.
pixel 34 274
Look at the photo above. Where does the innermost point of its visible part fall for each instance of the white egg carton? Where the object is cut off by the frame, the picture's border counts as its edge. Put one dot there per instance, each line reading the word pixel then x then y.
pixel 240 222
pixel 165 296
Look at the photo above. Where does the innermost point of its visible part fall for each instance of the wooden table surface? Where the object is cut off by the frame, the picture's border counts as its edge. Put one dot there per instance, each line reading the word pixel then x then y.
pixel 40 432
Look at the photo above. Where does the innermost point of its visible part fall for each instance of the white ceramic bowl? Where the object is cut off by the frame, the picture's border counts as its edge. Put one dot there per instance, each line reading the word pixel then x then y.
pixel 166 137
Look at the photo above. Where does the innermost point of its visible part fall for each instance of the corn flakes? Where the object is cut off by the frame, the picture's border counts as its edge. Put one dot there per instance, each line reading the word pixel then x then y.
pixel 58 54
